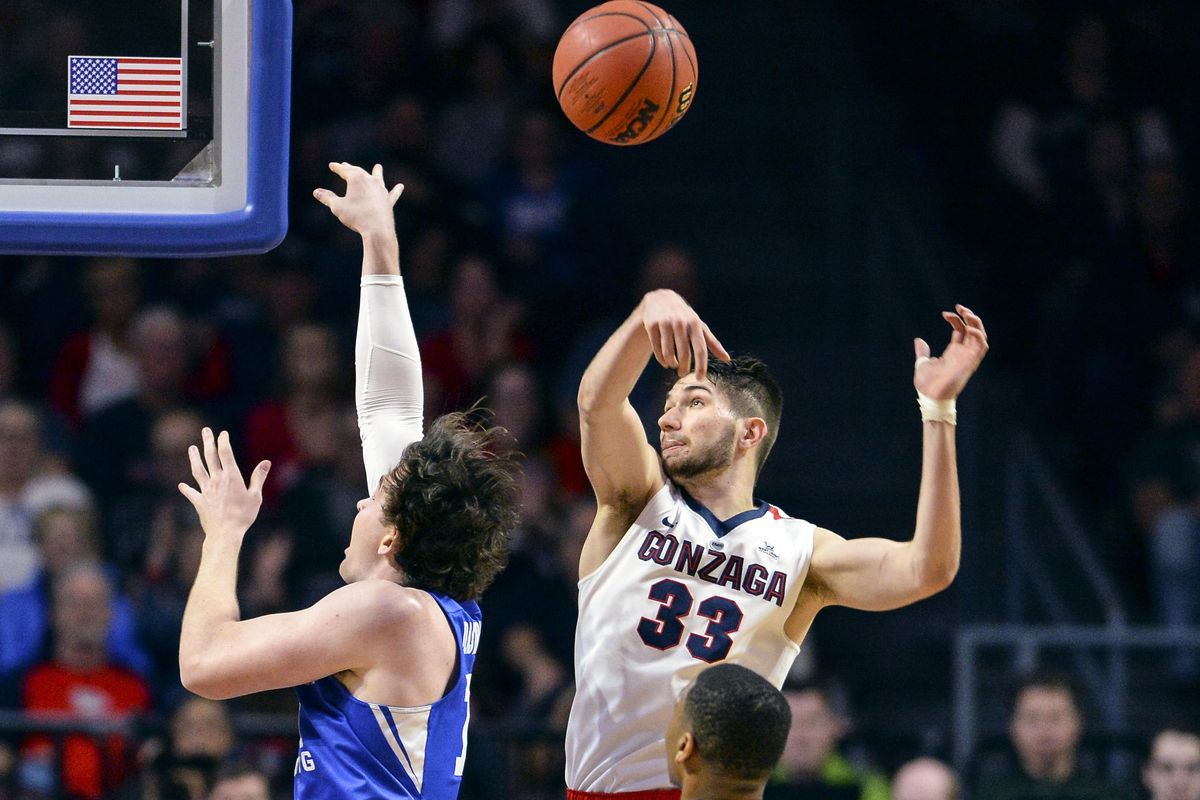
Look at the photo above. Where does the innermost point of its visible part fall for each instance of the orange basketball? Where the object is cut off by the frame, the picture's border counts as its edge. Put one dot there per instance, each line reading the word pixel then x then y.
pixel 625 72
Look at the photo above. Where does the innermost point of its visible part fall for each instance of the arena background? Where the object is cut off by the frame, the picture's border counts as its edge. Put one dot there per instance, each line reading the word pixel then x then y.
pixel 846 171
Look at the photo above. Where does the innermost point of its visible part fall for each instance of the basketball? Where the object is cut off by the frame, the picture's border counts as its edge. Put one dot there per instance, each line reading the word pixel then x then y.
pixel 625 72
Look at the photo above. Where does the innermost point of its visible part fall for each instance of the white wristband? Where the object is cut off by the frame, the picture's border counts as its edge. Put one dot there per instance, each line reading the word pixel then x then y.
pixel 937 410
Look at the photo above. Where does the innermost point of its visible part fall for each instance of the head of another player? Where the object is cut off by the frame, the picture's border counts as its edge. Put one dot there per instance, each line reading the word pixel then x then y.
pixel 440 520
pixel 728 420
pixel 727 732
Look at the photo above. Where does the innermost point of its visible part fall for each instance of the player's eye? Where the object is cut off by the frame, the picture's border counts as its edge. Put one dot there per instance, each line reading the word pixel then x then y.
pixel 697 401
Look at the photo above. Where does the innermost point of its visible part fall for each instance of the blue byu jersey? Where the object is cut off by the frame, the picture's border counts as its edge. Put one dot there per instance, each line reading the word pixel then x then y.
pixel 350 748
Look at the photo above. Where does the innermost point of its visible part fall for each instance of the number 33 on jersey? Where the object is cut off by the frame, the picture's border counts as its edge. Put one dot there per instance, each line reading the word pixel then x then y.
pixel 681 591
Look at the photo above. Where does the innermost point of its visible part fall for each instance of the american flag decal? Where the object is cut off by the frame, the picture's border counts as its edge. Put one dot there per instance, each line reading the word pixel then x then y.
pixel 124 92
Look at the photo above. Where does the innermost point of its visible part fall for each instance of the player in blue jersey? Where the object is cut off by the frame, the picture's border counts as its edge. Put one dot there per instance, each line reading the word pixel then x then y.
pixel 382 665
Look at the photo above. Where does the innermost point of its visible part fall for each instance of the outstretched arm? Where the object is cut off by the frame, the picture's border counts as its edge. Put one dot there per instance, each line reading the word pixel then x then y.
pixel 880 574
pixel 221 655
pixel 388 391
pixel 622 466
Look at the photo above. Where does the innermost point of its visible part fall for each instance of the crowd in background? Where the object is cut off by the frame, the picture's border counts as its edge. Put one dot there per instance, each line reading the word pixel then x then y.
pixel 1073 169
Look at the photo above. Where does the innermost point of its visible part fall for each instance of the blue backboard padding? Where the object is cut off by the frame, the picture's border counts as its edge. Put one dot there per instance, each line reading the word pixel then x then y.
pixel 256 228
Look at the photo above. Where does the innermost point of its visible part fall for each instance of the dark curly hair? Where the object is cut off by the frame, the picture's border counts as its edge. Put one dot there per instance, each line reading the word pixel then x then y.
pixel 453 500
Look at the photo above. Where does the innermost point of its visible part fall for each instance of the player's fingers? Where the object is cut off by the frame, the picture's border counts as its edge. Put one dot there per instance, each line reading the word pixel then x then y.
pixel 699 352
pixel 395 193
pixel 683 350
pixel 956 323
pixel 920 350
pixel 974 321
pixel 325 197
pixel 259 476
pixel 191 494
pixel 666 346
pixel 210 451
pixel 377 171
pixel 198 470
pixel 718 349
pixel 341 169
pixel 225 453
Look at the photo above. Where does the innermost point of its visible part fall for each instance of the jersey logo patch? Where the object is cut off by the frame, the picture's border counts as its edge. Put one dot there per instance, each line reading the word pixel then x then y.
pixel 768 550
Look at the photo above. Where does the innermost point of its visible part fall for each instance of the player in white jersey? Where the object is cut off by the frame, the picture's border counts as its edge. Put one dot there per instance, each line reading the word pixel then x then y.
pixel 382 666
pixel 683 568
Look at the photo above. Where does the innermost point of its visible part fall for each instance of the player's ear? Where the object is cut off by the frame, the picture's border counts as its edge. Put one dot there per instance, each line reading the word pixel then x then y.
pixel 391 541
pixel 753 431
pixel 685 750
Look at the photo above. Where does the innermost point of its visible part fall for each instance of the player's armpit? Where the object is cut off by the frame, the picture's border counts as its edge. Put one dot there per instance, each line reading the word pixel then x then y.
pixel 276 651
pixel 869 574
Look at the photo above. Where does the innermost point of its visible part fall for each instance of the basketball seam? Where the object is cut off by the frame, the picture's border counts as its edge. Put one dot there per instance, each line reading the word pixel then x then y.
pixel 601 51
pixel 670 94
pixel 650 8
pixel 686 55
pixel 636 81
pixel 608 14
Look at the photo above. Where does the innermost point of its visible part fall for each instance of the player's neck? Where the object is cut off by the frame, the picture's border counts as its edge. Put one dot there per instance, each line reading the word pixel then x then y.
pixel 725 494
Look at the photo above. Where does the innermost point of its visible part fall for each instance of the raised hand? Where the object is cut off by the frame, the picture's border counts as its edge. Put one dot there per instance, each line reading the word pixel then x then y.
pixel 944 376
pixel 226 505
pixel 679 338
pixel 367 205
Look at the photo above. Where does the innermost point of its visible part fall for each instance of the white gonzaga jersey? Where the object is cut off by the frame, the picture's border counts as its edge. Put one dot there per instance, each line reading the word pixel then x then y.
pixel 683 590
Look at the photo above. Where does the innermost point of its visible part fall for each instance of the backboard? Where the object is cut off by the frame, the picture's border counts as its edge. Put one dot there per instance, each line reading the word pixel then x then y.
pixel 144 127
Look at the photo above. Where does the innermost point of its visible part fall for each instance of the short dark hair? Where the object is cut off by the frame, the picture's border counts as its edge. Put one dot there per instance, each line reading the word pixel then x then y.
pixel 739 720
pixel 752 392
pixel 1047 679
pixel 453 500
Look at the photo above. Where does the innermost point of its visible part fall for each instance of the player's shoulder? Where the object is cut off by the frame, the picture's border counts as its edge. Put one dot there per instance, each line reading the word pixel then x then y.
pixel 381 601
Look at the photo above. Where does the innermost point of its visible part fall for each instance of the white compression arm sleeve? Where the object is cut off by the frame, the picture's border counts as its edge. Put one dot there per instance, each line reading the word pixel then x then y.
pixel 387 376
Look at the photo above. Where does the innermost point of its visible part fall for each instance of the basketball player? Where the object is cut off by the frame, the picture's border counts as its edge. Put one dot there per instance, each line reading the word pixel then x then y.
pixel 383 665
pixel 728 731
pixel 683 568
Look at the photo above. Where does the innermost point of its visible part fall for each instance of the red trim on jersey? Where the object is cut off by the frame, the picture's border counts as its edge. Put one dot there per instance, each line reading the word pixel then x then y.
pixel 774 512
pixel 650 794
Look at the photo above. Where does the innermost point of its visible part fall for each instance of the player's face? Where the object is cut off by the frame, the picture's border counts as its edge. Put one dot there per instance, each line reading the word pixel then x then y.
pixel 697 431
pixel 1173 772
pixel 369 529
pixel 1045 726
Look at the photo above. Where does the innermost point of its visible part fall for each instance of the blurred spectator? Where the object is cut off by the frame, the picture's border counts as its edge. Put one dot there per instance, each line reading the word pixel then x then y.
pixel 134 518
pixel 318 511
pixel 1045 728
pixel 924 779
pixel 1172 772
pixel 471 130
pixel 484 333
pixel 184 766
pixel 1166 499
pixel 115 445
pixel 65 537
pixel 160 594
pixel 81 680
pixel 95 368
pixel 26 490
pixel 276 430
pixel 240 782
pixel 1031 139
pixel 811 767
